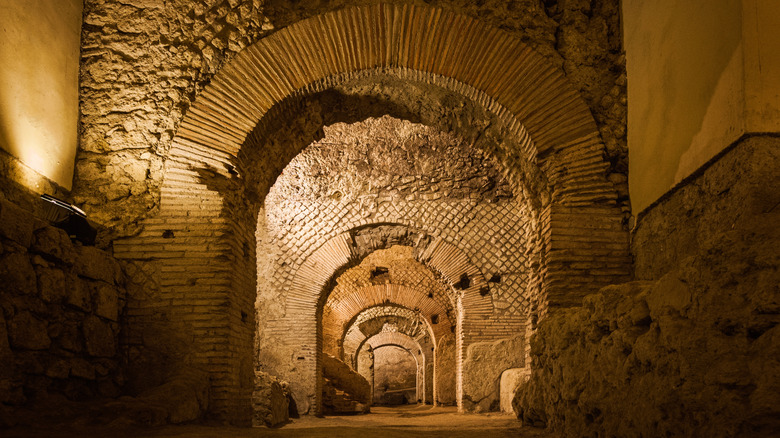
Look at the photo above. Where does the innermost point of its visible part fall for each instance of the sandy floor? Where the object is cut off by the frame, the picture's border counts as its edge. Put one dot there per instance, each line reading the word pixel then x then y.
pixel 416 421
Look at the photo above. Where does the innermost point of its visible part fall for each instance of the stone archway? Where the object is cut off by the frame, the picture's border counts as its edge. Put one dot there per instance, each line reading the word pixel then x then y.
pixel 423 359
pixel 309 293
pixel 202 197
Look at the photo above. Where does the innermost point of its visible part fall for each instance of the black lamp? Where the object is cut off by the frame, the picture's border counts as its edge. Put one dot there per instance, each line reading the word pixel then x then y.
pixel 71 219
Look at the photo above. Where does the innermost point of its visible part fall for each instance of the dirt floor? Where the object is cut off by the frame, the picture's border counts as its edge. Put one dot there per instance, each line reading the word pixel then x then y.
pixel 382 422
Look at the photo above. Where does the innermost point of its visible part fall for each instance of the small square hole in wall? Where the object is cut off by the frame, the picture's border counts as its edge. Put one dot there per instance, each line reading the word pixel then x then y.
pixel 379 270
pixel 463 283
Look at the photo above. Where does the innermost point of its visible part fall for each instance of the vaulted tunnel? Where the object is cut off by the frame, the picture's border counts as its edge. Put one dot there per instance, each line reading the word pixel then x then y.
pixel 410 212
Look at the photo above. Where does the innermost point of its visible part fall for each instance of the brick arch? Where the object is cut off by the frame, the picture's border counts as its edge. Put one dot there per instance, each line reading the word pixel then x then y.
pixel 199 204
pixel 353 336
pixel 422 358
pixel 386 294
pixel 309 289
pixel 417 38
pixel 427 303
pixel 407 284
pixel 398 339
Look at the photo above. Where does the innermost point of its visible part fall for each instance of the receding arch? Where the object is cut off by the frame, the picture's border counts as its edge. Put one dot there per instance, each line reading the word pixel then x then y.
pixel 423 358
pixel 354 335
pixel 202 189
pixel 309 289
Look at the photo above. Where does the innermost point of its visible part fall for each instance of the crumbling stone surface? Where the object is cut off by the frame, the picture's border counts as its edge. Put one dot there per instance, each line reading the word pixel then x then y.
pixel 395 376
pixel 270 400
pixel 54 243
pixel 486 361
pixel 511 379
pixel 371 165
pixel 144 62
pixel 584 38
pixel 342 377
pixel 445 371
pixel 60 307
pixel 736 191
pixel 694 353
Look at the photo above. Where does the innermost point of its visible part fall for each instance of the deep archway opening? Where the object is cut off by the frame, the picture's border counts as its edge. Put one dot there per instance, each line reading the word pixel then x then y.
pixel 395 376
pixel 391 170
pixel 225 158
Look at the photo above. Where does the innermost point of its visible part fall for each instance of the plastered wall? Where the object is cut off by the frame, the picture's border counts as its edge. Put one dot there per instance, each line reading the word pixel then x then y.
pixel 701 74
pixel 39 54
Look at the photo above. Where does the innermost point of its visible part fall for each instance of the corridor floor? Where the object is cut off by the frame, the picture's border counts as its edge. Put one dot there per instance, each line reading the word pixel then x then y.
pixel 382 422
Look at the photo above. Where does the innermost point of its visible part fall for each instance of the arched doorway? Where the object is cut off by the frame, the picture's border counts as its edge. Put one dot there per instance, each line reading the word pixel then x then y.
pixel 218 175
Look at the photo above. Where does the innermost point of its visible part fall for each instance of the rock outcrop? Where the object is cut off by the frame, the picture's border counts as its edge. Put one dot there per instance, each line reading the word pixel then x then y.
pixel 344 390
pixel 270 401
pixel 695 354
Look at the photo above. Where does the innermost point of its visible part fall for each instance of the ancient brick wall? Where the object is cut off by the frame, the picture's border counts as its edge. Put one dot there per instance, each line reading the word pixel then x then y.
pixel 211 191
pixel 390 171
pixel 143 63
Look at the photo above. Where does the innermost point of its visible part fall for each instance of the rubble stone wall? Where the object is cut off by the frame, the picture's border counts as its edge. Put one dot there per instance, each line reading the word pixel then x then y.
pixel 692 350
pixel 145 62
pixel 61 306
pixel 734 192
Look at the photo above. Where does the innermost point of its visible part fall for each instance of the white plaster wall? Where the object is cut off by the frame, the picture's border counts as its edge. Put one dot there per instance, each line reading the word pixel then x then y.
pixel 701 73
pixel 684 62
pixel 761 33
pixel 39 55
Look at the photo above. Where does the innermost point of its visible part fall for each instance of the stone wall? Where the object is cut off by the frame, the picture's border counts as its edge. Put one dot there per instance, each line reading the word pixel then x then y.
pixel 143 63
pixel 487 361
pixel 693 350
pixel 61 307
pixel 444 374
pixel 395 376
pixel 735 191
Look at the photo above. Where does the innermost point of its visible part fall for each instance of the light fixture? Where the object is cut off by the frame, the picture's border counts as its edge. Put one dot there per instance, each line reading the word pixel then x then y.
pixel 70 218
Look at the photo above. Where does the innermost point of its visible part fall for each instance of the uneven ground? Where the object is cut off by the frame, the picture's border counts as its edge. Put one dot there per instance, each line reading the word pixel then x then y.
pixel 405 421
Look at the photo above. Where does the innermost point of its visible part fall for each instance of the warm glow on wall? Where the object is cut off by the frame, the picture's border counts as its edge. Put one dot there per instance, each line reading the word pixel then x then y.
pixel 39 52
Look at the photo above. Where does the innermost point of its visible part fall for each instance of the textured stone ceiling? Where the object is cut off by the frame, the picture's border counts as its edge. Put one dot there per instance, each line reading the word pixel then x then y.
pixel 384 158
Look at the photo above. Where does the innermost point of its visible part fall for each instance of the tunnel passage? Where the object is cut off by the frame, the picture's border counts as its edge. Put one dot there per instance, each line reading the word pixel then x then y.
pixel 257 114
pixel 392 180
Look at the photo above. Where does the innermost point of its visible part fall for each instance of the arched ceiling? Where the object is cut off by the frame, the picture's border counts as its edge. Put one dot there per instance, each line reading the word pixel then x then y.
pixel 390 276
pixel 397 339
pixel 372 321
pixel 418 38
